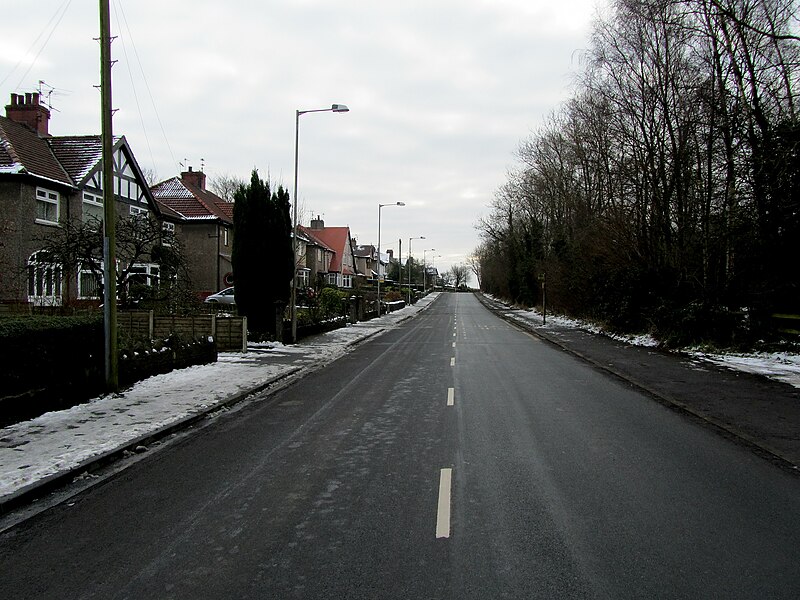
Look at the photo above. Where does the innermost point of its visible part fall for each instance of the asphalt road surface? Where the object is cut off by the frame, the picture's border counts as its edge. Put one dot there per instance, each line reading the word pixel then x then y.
pixel 453 457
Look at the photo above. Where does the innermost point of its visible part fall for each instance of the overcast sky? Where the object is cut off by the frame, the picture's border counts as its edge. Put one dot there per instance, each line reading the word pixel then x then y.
pixel 440 94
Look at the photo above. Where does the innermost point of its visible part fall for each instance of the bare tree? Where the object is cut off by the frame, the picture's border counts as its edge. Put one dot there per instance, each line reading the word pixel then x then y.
pixel 225 186
pixel 458 275
pixel 78 247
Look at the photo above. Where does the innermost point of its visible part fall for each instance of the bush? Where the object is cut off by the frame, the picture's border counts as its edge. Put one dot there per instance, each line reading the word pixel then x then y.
pixel 332 302
pixel 54 360
pixel 52 363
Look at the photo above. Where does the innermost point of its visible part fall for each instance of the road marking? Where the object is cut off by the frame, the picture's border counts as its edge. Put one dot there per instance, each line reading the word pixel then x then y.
pixel 451 396
pixel 443 513
pixel 454 344
pixel 453 361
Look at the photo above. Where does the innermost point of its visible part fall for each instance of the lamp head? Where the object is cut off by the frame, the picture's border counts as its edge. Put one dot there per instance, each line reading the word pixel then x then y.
pixel 339 108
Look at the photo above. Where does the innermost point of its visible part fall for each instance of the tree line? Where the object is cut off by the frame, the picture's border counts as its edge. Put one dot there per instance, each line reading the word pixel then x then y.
pixel 663 195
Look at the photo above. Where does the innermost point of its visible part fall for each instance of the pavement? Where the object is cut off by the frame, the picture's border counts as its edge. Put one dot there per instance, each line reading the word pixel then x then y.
pixel 44 454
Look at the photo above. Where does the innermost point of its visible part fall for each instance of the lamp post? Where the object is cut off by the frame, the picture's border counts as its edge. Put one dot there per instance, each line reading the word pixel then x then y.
pixel 425 270
pixel 437 272
pixel 380 206
pixel 337 108
pixel 422 237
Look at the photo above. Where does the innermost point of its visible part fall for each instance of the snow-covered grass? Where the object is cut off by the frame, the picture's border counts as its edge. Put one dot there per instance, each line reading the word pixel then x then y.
pixel 781 366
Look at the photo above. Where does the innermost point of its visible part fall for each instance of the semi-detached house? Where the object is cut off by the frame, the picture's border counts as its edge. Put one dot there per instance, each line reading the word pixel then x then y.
pixel 335 246
pixel 45 182
pixel 203 222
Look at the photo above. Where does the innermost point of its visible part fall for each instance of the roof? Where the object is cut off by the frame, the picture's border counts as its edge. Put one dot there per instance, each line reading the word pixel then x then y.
pixel 192 202
pixel 78 154
pixel 338 239
pixel 309 237
pixel 23 152
pixel 364 251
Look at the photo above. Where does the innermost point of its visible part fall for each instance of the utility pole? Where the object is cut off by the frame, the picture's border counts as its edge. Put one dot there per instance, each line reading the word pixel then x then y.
pixel 109 208
pixel 400 265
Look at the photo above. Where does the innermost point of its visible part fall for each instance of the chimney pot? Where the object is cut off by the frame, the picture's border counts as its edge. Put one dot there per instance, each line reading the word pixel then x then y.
pixel 26 110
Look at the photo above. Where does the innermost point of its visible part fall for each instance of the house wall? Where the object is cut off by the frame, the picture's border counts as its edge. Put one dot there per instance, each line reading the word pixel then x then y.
pixel 20 236
pixel 206 253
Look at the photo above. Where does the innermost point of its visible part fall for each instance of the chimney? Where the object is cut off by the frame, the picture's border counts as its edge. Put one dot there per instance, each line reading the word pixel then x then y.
pixel 195 178
pixel 27 111
pixel 317 223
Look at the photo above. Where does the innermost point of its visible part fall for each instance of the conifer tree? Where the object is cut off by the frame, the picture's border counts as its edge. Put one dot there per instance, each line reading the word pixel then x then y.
pixel 262 254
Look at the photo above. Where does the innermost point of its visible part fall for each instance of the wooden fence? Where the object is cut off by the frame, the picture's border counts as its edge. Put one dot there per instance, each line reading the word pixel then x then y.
pixel 229 332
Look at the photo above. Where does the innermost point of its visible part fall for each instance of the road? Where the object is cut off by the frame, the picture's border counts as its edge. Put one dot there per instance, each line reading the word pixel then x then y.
pixel 452 457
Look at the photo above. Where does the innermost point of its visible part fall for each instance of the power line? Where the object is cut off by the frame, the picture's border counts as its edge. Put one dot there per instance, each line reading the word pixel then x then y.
pixel 57 18
pixel 147 85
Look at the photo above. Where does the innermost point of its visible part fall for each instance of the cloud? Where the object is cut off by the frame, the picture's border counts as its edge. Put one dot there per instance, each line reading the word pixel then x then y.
pixel 440 95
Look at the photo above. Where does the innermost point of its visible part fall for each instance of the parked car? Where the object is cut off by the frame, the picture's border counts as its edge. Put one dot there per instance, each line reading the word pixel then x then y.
pixel 223 297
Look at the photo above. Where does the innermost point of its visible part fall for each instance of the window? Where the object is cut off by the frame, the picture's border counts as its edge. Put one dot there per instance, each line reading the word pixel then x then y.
pixel 44 280
pixel 169 228
pixel 144 274
pixel 90 285
pixel 92 207
pixel 225 236
pixel 135 210
pixel 47 203
pixel 169 233
pixel 302 278
pixel 333 278
pixel 347 281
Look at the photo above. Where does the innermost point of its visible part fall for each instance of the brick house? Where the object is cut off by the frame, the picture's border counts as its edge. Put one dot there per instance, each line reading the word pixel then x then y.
pixel 203 222
pixel 335 248
pixel 366 261
pixel 45 182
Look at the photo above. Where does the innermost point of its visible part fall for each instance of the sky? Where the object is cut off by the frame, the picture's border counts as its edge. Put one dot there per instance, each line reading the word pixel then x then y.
pixel 441 92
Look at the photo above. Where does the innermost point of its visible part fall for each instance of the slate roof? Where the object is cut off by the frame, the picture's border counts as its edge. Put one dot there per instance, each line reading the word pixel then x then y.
pixel 23 152
pixel 78 154
pixel 66 160
pixel 364 251
pixel 191 202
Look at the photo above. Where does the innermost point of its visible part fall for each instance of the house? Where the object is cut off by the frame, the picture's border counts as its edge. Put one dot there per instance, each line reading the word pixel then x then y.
pixel 366 257
pixel 314 258
pixel 46 183
pixel 340 269
pixel 203 223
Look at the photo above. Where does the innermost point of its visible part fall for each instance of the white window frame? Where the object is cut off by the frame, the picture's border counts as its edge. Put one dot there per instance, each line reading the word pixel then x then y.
pixel 98 286
pixel 44 281
pixel 347 281
pixel 302 278
pixel 150 271
pixel 333 279
pixel 138 211
pixel 94 201
pixel 51 198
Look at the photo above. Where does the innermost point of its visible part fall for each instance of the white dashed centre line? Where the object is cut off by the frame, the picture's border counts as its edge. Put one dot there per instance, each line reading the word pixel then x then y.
pixel 443 513
pixel 451 396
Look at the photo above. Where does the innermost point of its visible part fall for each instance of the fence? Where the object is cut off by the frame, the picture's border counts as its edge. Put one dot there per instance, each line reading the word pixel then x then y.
pixel 229 332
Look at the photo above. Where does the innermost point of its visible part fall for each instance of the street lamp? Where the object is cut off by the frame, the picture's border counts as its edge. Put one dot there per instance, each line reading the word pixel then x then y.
pixel 434 268
pixel 422 237
pixel 380 206
pixel 337 108
pixel 425 270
